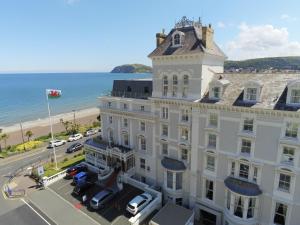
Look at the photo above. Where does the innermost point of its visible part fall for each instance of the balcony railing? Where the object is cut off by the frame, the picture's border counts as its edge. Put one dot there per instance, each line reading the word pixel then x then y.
pixel 125 94
pixel 102 144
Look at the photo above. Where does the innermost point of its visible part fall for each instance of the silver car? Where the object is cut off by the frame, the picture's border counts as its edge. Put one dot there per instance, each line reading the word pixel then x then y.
pixel 101 198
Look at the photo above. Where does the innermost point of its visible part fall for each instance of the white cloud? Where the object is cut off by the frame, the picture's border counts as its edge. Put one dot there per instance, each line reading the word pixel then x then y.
pixel 288 18
pixel 261 41
pixel 220 24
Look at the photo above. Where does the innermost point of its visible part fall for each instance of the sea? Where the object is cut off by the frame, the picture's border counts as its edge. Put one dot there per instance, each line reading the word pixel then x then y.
pixel 23 96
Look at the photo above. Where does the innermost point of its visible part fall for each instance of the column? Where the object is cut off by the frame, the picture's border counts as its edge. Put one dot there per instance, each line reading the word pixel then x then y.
pixel 232 200
pixel 245 208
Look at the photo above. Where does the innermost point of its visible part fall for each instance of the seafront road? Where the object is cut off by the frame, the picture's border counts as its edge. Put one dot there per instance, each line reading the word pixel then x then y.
pixel 25 211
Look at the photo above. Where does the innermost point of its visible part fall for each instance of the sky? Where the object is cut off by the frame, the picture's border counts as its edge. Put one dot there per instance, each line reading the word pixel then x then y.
pixel 97 35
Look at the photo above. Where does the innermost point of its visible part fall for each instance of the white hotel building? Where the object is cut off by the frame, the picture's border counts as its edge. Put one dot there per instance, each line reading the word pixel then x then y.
pixel 225 145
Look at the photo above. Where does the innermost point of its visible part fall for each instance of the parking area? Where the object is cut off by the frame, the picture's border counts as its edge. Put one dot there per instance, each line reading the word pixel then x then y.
pixel 114 212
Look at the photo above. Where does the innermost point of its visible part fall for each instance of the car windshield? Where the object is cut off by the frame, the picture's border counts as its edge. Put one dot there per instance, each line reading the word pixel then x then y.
pixel 94 202
pixel 144 196
pixel 130 206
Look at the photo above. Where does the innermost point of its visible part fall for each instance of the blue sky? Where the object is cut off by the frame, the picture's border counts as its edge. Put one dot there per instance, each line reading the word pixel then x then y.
pixel 96 35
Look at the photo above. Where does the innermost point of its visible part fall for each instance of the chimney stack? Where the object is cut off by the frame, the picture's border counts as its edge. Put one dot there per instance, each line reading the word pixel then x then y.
pixel 160 37
pixel 208 36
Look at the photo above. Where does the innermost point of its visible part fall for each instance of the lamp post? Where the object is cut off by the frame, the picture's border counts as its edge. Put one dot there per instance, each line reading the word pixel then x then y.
pixel 74 115
pixel 22 135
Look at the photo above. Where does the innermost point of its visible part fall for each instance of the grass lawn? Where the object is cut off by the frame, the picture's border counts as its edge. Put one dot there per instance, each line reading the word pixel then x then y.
pixel 50 167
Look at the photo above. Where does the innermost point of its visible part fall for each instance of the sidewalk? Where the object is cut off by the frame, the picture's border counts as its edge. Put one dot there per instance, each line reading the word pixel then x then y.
pixel 58 209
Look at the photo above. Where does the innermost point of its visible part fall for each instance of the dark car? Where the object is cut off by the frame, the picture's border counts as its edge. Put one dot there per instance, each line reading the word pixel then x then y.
pixel 74 147
pixel 80 189
pixel 72 171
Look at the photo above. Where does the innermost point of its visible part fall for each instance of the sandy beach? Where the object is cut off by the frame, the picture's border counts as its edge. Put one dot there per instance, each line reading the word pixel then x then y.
pixel 41 127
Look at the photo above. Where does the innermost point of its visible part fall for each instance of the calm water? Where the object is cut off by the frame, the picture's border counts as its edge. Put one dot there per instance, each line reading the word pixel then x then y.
pixel 23 98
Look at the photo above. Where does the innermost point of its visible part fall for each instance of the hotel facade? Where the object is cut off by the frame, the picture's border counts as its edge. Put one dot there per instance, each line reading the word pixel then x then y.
pixel 224 145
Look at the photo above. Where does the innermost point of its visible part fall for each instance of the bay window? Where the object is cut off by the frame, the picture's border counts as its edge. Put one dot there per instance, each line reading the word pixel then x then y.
pixel 244 207
pixel 174 180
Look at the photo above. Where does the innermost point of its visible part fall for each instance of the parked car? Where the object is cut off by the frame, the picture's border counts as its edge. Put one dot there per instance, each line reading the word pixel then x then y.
pixel 75 137
pixel 84 177
pixel 72 171
pixel 101 198
pixel 80 189
pixel 74 147
pixel 138 203
pixel 56 143
pixel 90 132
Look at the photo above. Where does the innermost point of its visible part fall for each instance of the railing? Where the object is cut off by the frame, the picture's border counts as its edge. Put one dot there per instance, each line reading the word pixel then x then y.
pixel 50 180
pixel 125 94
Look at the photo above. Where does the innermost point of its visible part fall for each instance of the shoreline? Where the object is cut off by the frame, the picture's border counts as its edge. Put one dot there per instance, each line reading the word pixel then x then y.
pixel 41 127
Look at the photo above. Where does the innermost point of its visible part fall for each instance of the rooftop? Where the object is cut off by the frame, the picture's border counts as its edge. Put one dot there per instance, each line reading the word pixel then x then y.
pixel 137 88
pixel 193 42
pixel 166 216
pixel 273 93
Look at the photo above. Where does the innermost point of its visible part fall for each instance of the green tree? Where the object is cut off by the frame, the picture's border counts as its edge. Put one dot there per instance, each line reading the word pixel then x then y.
pixel 66 125
pixel 4 137
pixel 29 134
pixel 74 127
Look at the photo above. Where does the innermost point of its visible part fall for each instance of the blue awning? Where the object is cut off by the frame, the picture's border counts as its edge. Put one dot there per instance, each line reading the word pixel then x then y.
pixel 242 187
pixel 172 164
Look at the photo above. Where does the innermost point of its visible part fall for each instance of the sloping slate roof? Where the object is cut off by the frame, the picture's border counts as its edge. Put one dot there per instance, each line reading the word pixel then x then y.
pixel 192 44
pixel 242 187
pixel 172 214
pixel 273 95
pixel 172 164
pixel 141 89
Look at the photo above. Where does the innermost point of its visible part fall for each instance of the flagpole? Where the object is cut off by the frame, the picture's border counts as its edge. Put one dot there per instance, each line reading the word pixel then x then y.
pixel 51 128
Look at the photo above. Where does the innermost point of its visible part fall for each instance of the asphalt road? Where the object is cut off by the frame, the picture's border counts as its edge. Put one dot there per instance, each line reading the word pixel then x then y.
pixel 12 211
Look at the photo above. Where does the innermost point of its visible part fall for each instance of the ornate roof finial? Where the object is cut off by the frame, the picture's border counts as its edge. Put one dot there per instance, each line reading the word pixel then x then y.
pixel 185 22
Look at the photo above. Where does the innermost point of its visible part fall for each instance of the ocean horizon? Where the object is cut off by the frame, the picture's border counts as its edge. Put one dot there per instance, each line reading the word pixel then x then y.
pixel 23 95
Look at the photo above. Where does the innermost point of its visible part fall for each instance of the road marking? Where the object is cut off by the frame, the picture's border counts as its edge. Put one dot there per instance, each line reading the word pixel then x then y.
pixel 70 204
pixel 35 211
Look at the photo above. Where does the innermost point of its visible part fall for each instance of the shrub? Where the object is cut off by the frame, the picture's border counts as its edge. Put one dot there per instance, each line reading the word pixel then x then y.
pixel 28 145
pixel 65 159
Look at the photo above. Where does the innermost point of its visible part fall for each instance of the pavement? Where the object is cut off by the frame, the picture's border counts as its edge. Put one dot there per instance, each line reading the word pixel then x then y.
pixel 59 210
pixel 23 211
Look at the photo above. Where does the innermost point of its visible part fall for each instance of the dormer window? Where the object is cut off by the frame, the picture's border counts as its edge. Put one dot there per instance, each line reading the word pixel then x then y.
pixel 216 92
pixel 251 94
pixel 217 88
pixel 293 95
pixel 252 91
pixel 177 38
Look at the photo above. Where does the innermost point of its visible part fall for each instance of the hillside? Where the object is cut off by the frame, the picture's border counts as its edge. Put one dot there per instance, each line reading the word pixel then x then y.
pixel 132 68
pixel 280 63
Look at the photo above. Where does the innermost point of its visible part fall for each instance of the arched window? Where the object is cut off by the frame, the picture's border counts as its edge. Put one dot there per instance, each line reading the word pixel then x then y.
pixel 142 143
pixel 165 86
pixel 125 139
pixel 185 86
pixel 176 39
pixel 175 83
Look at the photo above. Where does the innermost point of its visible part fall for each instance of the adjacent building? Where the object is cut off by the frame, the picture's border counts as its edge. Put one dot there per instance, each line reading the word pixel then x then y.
pixel 225 145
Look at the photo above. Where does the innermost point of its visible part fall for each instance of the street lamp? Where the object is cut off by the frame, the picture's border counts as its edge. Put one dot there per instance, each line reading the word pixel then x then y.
pixel 73 116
